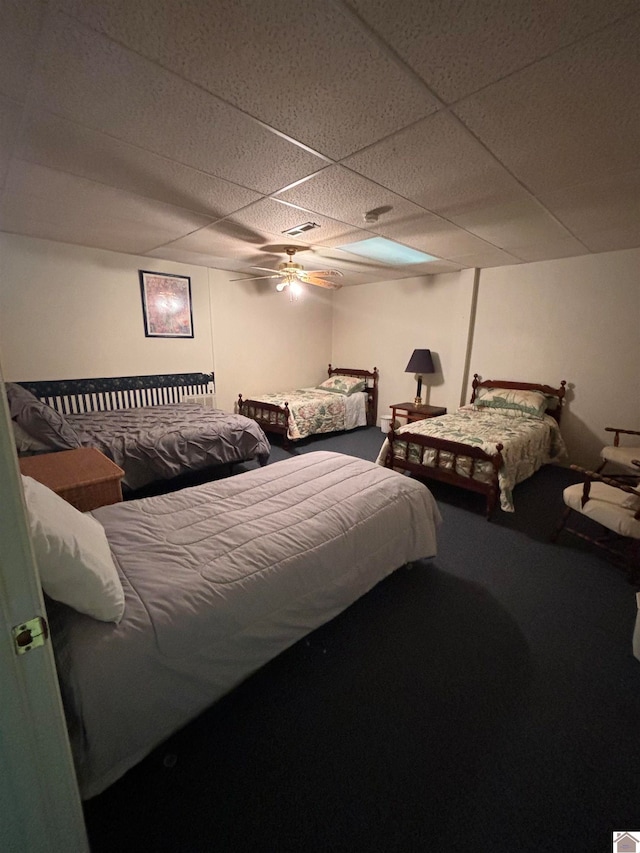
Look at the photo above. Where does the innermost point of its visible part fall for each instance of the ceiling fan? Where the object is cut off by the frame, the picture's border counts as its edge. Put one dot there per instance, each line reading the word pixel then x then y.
pixel 292 274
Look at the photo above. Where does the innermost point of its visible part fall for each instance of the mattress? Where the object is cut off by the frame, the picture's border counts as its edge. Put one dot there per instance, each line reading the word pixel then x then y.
pixel 160 442
pixel 218 580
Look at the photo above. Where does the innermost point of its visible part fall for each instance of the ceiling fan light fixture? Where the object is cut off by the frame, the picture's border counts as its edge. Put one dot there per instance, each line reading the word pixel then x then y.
pixel 281 286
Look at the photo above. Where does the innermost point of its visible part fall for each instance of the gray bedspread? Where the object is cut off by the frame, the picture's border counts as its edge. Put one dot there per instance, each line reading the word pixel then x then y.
pixel 161 442
pixel 218 580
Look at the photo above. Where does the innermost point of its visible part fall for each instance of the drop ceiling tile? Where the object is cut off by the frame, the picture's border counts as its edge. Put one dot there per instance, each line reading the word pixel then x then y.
pixel 486 258
pixel 19 35
pixel 60 144
pixel 199 259
pixel 289 64
pixel 568 247
pixel 509 225
pixel 344 195
pixel 10 118
pixel 90 80
pixel 224 239
pixel 79 210
pixel 458 49
pixel 614 239
pixel 439 166
pixel 432 235
pixel 614 200
pixel 567 119
pixel 272 217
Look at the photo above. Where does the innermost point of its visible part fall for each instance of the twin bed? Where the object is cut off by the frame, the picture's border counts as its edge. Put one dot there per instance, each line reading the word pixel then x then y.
pixel 211 582
pixel 346 400
pixel 154 427
pixel 508 431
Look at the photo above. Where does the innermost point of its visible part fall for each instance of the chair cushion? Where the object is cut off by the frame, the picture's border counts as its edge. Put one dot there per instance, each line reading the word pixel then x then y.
pixel 611 507
pixel 621 456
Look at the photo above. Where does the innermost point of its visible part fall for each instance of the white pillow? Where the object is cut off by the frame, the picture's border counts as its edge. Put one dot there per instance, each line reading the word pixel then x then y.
pixel 73 555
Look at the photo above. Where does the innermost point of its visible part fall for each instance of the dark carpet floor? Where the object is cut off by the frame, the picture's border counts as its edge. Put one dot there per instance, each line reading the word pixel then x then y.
pixel 486 700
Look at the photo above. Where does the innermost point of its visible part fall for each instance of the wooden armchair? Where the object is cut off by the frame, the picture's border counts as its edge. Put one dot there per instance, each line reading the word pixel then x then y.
pixel 624 456
pixel 614 506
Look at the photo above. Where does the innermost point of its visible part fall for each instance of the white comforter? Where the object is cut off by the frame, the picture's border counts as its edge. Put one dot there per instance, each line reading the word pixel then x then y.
pixel 218 580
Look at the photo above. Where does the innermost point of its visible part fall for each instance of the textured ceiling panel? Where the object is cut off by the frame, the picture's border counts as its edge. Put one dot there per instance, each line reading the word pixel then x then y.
pixel 613 200
pixel 100 84
pixel 69 147
pixel 543 124
pixel 344 195
pixel 19 35
pixel 270 216
pixel 10 118
pixel 458 48
pixel 515 224
pixel 431 235
pixel 484 132
pixel 437 165
pixel 301 67
pixel 64 201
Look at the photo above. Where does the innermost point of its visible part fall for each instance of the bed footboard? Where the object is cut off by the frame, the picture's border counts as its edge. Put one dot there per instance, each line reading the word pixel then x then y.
pixel 270 416
pixel 450 462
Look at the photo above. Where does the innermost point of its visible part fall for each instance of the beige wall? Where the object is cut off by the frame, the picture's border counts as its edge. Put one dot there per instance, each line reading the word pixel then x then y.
pixel 381 324
pixel 68 312
pixel 576 319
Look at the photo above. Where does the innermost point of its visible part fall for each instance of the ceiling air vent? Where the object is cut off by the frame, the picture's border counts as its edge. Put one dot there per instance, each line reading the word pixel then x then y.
pixel 301 229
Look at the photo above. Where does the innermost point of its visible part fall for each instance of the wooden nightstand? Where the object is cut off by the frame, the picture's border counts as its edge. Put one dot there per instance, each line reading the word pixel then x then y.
pixel 412 412
pixel 84 477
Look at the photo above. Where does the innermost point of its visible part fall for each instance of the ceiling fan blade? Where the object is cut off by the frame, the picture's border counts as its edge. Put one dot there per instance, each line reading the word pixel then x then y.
pixel 256 277
pixel 310 279
pixel 323 272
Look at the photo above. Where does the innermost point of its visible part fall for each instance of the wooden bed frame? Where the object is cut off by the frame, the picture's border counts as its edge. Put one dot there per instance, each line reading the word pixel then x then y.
pixel 490 489
pixel 274 418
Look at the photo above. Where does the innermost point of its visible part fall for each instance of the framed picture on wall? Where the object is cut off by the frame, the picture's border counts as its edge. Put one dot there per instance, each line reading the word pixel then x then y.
pixel 166 305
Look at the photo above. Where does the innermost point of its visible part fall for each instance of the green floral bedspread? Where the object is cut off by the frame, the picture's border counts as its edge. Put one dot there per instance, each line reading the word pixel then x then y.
pixel 312 411
pixel 528 443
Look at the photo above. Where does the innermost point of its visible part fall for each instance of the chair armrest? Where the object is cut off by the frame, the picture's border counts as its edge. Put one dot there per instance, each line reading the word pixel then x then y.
pixel 619 431
pixel 591 476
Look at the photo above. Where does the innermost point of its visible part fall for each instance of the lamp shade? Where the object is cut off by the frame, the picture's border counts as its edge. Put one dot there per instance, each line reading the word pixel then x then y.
pixel 420 362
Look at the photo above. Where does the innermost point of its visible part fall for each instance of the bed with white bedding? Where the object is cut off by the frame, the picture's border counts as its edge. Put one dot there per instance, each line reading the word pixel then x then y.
pixel 217 580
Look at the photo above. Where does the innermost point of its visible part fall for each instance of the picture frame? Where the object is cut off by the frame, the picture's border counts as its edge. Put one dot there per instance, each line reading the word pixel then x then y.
pixel 166 304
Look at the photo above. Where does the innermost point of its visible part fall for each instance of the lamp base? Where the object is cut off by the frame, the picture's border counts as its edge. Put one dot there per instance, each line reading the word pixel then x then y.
pixel 417 401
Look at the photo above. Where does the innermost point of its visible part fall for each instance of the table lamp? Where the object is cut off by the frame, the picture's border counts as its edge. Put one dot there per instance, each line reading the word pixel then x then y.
pixel 420 363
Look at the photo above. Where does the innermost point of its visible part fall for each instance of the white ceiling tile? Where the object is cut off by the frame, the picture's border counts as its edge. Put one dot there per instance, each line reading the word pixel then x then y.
pixel 547 250
pixel 614 200
pixel 19 35
pixel 432 235
pixel 614 239
pixel 66 202
pixel 437 165
pixel 292 65
pixel 60 144
pixel 460 48
pixel 10 118
pixel 511 225
pixel 570 118
pixel 342 194
pixel 88 79
pixel 488 257
pixel 273 217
